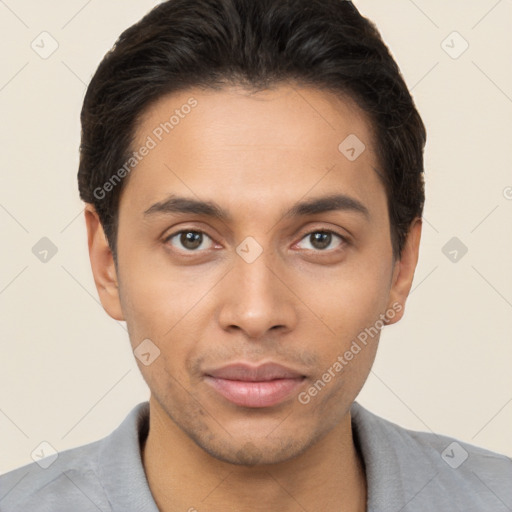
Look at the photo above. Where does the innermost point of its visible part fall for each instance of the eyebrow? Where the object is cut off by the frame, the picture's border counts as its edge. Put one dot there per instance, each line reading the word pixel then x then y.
pixel 335 202
pixel 178 204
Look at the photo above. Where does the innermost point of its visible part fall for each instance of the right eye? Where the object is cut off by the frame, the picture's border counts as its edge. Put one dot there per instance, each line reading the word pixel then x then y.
pixel 189 240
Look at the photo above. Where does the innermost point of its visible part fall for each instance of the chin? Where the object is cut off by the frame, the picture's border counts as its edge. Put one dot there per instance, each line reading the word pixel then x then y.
pixel 256 452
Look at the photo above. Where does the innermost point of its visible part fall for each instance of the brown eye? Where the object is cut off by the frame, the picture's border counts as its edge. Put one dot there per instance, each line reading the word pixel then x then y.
pixel 321 240
pixel 191 239
pixel 188 240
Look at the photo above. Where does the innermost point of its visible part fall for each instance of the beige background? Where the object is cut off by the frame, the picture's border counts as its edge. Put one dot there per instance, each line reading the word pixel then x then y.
pixel 67 374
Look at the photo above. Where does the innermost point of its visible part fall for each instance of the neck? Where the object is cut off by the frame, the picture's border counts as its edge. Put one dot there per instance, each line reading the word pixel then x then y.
pixel 182 476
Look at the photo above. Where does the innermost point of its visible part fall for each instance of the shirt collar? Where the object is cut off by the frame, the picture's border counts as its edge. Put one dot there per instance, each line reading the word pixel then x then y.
pixel 120 465
pixel 380 461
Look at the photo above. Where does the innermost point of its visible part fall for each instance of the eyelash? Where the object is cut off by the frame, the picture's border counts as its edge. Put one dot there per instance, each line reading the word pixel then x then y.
pixel 344 240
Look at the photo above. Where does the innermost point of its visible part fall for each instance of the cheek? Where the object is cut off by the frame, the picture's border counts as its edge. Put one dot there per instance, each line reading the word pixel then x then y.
pixel 156 296
pixel 348 305
pixel 349 298
pixel 158 313
pixel 167 306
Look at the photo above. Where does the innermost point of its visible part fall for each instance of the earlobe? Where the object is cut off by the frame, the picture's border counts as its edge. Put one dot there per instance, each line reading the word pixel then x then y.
pixel 403 273
pixel 102 264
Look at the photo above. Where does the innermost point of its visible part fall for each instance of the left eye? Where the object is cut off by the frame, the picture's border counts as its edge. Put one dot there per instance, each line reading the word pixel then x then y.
pixel 321 240
pixel 190 240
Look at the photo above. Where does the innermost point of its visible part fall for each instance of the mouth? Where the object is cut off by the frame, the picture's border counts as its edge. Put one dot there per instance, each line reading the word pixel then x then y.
pixel 255 386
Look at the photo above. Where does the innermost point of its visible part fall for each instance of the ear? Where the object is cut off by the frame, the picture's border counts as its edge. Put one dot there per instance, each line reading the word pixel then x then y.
pixel 102 264
pixel 403 272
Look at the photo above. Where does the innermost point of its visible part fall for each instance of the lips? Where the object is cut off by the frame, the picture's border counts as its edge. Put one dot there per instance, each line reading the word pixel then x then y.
pixel 255 386
pixel 245 372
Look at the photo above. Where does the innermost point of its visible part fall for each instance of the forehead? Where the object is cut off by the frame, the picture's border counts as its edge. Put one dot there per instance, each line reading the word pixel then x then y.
pixel 231 143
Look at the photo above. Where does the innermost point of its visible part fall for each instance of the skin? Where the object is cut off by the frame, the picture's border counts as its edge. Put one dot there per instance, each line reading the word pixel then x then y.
pixel 299 303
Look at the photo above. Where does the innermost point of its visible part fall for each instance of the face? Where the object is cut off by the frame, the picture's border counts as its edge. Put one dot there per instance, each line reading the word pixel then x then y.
pixel 254 252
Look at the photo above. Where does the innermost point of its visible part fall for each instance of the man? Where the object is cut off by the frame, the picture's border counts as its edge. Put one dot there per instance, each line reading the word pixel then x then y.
pixel 253 179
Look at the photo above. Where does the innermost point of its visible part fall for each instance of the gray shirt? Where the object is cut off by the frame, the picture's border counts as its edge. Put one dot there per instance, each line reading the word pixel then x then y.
pixel 406 471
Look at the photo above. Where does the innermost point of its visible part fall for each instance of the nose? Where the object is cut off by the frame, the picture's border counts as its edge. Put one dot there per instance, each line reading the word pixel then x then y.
pixel 256 298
